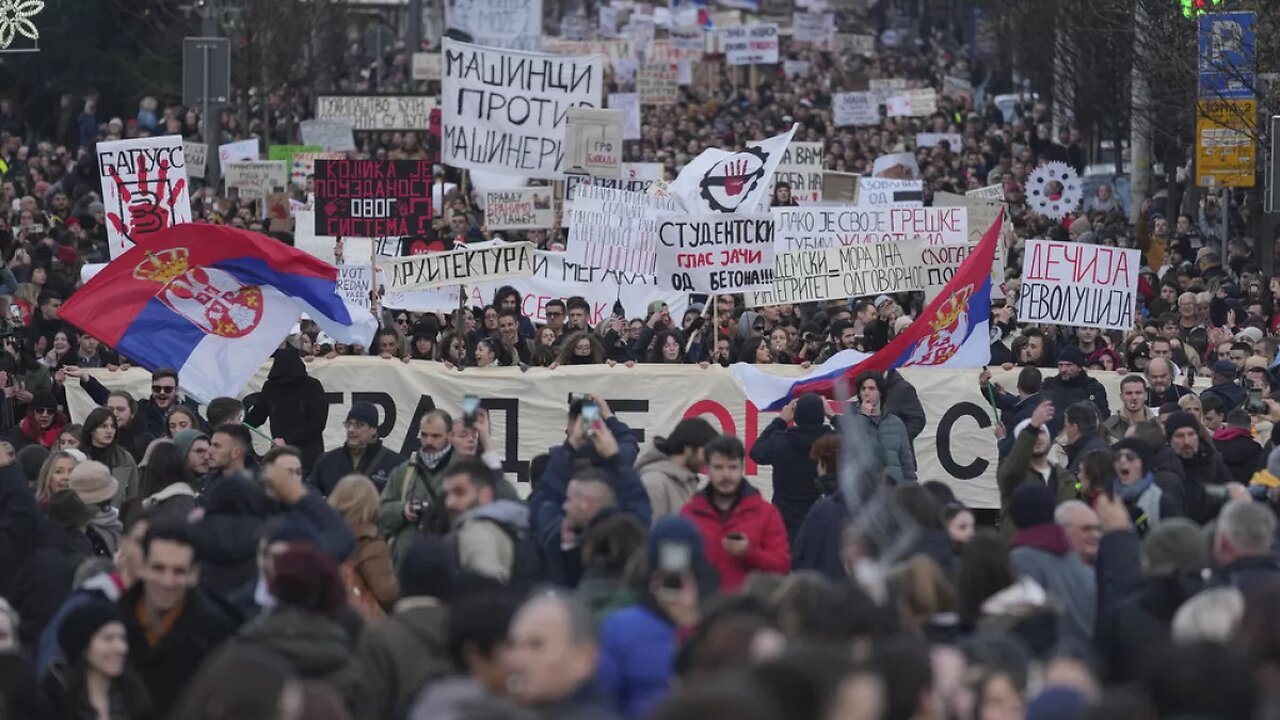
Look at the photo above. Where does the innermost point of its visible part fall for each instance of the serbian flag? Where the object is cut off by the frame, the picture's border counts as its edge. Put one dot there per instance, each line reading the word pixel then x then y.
pixel 953 331
pixel 212 302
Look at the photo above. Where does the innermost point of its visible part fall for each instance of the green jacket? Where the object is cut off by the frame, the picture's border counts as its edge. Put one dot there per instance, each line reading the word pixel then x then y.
pixel 1015 469
pixel 412 481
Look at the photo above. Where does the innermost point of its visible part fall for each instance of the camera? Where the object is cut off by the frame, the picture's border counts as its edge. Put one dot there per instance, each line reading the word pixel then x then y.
pixel 418 506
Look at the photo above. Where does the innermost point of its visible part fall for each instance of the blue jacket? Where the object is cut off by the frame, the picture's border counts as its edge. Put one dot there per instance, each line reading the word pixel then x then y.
pixel 817 543
pixel 637 660
pixel 550 491
pixel 377 463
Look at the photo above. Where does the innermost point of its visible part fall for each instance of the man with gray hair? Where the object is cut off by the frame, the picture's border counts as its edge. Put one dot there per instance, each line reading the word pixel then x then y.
pixel 1080 523
pixel 1242 545
pixel 553 658
pixel 1161 389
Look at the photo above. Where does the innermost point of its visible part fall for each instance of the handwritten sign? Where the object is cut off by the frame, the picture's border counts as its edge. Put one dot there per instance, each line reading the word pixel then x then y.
pixel 378 112
pixel 883 192
pixel 658 84
pixel 930 139
pixel 812 27
pixel 373 198
pixel 940 265
pixel 355 284
pixel 525 209
pixel 855 108
pixel 801 168
pixel 813 227
pixel 615 229
pixel 751 44
pixel 629 104
pixel 716 253
pixel 1066 283
pixel 843 272
pixel 144 188
pixel 238 151
pixel 333 134
pixel 426 66
pixel 636 177
pixel 511 24
pixel 197 157
pixel 255 180
pixel 460 267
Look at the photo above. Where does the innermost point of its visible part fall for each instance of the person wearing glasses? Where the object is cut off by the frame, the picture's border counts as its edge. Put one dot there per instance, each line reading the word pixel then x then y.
pixel 42 424
pixel 152 412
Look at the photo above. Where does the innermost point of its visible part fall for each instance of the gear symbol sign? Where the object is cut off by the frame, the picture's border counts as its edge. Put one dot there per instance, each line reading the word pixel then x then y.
pixel 1054 202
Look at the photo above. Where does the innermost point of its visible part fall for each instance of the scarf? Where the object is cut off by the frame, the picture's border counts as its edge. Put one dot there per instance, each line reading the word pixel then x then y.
pixel 433 460
pixel 47 438
pixel 1130 493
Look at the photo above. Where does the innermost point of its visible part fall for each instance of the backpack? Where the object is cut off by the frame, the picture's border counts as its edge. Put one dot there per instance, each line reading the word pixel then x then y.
pixel 359 596
pixel 526 558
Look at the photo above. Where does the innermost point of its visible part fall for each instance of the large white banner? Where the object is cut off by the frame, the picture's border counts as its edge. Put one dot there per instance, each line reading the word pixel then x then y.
pixel 144 188
pixel 511 24
pixel 808 228
pixel 505 111
pixel 636 177
pixel 529 409
pixel 459 267
pixel 835 273
pixel 1067 283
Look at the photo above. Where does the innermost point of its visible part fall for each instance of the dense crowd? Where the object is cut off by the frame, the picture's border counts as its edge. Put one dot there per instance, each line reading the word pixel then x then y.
pixel 153 566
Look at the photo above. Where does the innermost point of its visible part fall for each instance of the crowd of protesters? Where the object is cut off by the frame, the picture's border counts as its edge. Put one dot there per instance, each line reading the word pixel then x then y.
pixel 153 566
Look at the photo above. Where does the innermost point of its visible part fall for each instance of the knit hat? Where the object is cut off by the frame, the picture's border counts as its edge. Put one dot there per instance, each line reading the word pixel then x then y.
pixel 1072 354
pixel 1174 546
pixel 44 400
pixel 96 207
pixel 1177 421
pixel 92 481
pixel 365 412
pixel 673 529
pixel 810 409
pixel 1031 505
pixel 69 511
pixel 1252 334
pixel 1139 448
pixel 1273 462
pixel 293 529
pixel 425 569
pixel 82 623
pixel 31 458
pixel 1224 367
pixel 184 439
pixel 654 307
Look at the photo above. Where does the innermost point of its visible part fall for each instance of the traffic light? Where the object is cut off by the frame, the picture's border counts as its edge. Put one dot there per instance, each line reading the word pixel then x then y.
pixel 1192 8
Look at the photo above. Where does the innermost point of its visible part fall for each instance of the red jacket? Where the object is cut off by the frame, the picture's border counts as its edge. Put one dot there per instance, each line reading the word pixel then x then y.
pixel 767 549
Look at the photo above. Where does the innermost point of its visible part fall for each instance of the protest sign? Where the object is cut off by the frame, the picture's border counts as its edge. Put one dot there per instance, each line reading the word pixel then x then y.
pixel 801 168
pixel 144 188
pixel 574 27
pixel 238 151
pixel 864 45
pixel 373 198
pixel 821 226
pixel 940 264
pixel 286 152
pixel 355 284
pixel 460 267
pixel 928 140
pixel 957 87
pixel 197 154
pixel 510 24
pixel 524 209
pixel 426 66
pixel 855 108
pixel 658 84
pixel 983 213
pixel 636 177
pixel 516 126
pixel 835 273
pixel 607 20
pixel 615 229
pixel 328 248
pixel 886 87
pixel 990 192
pixel 1067 283
pixel 333 135
pixel 304 165
pixel 677 49
pixel 751 44
pixel 617 51
pixel 378 112
pixel 839 187
pixel 280 210
pixel 640 31
pixel 716 253
pixel 629 104
pixel 812 27
pixel 884 192
pixel 255 180
pixel 912 103
pixel 593 142
pixel 795 68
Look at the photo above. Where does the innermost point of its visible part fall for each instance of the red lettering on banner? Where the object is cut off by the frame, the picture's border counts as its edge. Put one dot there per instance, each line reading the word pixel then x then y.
pixel 729 427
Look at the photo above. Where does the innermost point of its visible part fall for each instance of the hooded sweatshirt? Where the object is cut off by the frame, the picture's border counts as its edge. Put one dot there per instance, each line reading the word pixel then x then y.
pixel 670 484
pixel 294 403
pixel 486 548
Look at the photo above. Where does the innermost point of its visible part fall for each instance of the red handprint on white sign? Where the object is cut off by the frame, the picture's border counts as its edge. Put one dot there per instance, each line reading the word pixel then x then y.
pixel 151 208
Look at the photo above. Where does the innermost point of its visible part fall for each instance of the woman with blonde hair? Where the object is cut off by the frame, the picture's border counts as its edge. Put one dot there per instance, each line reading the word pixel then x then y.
pixel 55 475
pixel 368 574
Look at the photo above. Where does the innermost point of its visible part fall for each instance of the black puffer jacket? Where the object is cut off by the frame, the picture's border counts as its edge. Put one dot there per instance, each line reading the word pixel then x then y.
pixel 295 404
pixel 795 487
pixel 234 510
pixel 901 399
pixel 1065 393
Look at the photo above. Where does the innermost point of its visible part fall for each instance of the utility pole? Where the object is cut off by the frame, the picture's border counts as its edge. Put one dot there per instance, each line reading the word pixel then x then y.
pixel 211 26
pixel 413 43
pixel 1140 150
pixel 1064 89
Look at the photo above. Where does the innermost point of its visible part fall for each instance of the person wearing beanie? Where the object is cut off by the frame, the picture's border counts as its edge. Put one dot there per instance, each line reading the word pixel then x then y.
pixel 40 426
pixel 893 447
pixel 94 678
pixel 92 481
pixel 295 404
pixel 193 445
pixel 1028 462
pixel 1136 487
pixel 412 646
pixel 363 453
pixel 786 449
pixel 1205 474
pixel 1071 385
pixel 1225 386
pixel 31 459
pixel 1041 551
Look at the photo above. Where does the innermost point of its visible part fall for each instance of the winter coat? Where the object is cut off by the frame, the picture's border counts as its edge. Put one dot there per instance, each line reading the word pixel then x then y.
pixel 333 535
pixel 818 542
pixel 1250 573
pixel 234 511
pixel 1012 412
pixel 402 652
pixel 670 484
pixel 551 489
pixel 1204 468
pixel 1016 469
pixel 412 481
pixel 1171 479
pixel 795 489
pixel 123 469
pixel 1231 395
pixel 1065 393
pixel 316 647
pixel 169 666
pixel 1085 444
pixel 1242 454
pixel 638 647
pixel 19 515
pixel 768 549
pixel 372 561
pixel 484 546
pixel 376 463
pixel 1115 427
pixel 296 405
pixel 175 501
pixel 895 448
pixel 1043 554
pixel 26 433
pixel 902 400
pixel 42 580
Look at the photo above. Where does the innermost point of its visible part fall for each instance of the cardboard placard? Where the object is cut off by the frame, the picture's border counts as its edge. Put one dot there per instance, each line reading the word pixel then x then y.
pixel 658 84
pixel 751 44
pixel 883 192
pixel 835 273
pixel 593 142
pixel 855 108
pixel 460 267
pixel 615 229
pixel 378 112
pixel 334 135
pixel 523 209
pixel 144 188
pixel 801 168
pixel 257 179
pixel 426 66
pixel 510 24
pixel 373 198
pixel 720 253
pixel 238 151
pixel 629 104
pixel 1080 285
pixel 197 154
